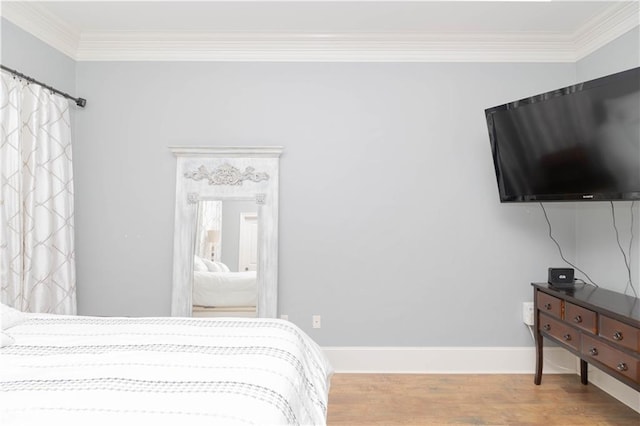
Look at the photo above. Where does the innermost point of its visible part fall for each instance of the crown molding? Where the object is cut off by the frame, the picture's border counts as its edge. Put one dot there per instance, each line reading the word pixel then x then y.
pixel 44 25
pixel 373 47
pixel 331 47
pixel 606 27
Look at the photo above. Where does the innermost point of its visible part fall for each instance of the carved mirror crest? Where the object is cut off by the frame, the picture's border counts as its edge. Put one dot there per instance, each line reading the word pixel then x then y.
pixel 226 231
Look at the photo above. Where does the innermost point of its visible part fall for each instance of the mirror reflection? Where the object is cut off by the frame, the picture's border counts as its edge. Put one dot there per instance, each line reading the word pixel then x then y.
pixel 226 259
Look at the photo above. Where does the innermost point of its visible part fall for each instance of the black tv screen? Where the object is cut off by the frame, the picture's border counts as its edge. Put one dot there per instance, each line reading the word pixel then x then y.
pixel 580 142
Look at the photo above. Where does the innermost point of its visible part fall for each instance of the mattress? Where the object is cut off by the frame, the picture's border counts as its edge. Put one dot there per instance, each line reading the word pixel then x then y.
pixel 224 289
pixel 68 370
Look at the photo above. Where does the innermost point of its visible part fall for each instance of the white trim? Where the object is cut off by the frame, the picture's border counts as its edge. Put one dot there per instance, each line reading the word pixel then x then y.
pixel 227 151
pixel 40 23
pixel 615 388
pixel 330 47
pixel 448 360
pixel 469 360
pixel 606 27
pixel 334 47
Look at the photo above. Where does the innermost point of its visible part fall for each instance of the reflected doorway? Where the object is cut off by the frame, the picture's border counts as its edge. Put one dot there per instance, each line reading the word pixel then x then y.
pixel 248 244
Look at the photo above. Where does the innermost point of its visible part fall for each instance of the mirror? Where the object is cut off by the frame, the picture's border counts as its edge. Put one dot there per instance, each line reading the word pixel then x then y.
pixel 209 183
pixel 225 259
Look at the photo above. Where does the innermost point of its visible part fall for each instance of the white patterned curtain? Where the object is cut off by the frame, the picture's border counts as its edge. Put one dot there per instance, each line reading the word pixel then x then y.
pixel 37 265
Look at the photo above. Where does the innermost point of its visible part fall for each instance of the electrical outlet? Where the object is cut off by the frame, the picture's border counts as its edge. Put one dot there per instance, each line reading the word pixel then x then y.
pixel 316 321
pixel 527 313
pixel 284 317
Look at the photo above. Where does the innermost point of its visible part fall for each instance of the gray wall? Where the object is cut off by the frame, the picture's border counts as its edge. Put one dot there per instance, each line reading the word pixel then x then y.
pixel 597 248
pixel 621 54
pixel 29 55
pixel 390 225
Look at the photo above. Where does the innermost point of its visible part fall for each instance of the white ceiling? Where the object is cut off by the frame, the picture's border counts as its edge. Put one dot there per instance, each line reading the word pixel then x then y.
pixel 325 17
pixel 325 30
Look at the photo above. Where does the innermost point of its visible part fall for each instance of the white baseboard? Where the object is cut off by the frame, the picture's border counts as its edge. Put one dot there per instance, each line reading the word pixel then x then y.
pixel 447 360
pixel 615 388
pixel 465 360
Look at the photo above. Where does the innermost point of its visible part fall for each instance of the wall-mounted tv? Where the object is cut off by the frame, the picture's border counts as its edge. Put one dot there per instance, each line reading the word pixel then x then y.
pixel 580 142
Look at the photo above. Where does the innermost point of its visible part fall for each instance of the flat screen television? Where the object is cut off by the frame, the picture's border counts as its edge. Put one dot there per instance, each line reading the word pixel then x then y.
pixel 581 142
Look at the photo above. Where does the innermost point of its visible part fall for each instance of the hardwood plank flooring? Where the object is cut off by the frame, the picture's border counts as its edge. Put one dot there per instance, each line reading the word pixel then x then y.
pixel 431 399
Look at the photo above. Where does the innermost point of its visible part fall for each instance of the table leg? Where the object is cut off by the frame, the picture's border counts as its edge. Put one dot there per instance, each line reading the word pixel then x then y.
pixel 538 338
pixel 583 372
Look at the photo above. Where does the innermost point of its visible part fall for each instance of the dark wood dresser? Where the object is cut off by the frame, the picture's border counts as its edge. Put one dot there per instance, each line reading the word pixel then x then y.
pixel 599 326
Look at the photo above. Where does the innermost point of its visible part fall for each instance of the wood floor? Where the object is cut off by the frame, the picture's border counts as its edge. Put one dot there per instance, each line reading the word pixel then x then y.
pixel 432 399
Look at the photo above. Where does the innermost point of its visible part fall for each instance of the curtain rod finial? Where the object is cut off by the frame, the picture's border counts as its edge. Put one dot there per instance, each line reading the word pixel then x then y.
pixel 81 102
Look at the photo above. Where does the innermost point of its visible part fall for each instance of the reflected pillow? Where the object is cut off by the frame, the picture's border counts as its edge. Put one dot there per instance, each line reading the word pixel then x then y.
pixel 10 316
pixel 198 264
pixel 223 267
pixel 212 266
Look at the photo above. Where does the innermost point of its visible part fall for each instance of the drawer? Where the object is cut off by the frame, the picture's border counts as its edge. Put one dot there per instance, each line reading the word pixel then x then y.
pixel 580 317
pixel 620 333
pixel 560 331
pixel 611 357
pixel 549 304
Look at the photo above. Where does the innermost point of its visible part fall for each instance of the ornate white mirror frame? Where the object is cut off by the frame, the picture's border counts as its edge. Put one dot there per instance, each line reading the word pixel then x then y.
pixel 232 173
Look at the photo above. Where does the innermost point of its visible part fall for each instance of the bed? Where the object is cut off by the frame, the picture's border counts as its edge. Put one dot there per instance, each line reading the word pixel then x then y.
pixel 76 370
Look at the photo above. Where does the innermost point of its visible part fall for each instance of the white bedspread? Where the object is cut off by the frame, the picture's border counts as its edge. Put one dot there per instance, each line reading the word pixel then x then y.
pixel 223 289
pixel 66 370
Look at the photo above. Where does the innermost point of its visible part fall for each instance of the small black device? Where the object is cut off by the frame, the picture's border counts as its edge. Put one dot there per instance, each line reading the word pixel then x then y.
pixel 561 277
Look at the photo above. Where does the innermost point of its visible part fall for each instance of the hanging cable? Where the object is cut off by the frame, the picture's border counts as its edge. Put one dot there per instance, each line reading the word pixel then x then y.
pixel 633 204
pixel 560 249
pixel 615 228
pixel 627 260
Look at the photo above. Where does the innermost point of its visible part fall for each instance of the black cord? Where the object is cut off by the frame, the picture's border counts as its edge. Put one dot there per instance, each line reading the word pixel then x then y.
pixel 633 204
pixel 560 249
pixel 615 227
pixel 627 261
pixel 581 281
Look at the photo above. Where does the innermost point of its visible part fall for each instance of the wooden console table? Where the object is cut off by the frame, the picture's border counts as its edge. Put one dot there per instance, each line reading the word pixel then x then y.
pixel 599 326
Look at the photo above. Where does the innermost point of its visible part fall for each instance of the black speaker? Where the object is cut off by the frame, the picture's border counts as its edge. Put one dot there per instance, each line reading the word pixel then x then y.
pixel 561 277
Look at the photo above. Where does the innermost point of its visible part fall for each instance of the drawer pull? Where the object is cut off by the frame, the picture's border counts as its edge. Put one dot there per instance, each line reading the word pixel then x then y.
pixel 622 367
pixel 547 306
pixel 547 327
pixel 617 336
pixel 567 337
pixel 578 319
pixel 593 351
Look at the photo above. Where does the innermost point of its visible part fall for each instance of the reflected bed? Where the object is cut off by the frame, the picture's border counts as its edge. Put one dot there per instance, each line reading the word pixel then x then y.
pixel 224 289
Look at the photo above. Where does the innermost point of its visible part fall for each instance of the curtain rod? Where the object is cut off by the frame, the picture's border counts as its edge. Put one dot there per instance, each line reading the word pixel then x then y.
pixel 79 101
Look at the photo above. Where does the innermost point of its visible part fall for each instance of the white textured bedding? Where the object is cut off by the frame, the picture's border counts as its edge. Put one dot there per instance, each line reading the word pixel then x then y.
pixel 184 371
pixel 224 289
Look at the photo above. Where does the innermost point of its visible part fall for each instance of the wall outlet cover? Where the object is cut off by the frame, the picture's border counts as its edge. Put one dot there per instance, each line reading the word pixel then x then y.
pixel 527 313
